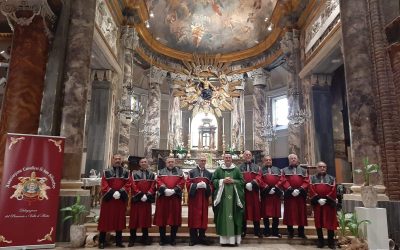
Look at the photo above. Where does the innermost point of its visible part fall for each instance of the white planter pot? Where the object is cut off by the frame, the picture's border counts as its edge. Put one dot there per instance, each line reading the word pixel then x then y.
pixel 77 235
pixel 369 196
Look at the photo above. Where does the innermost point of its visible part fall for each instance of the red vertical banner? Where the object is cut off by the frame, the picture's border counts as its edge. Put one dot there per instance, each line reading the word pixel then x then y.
pixel 29 191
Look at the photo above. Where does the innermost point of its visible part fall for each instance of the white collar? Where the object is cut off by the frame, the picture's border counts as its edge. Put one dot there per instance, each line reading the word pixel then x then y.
pixel 225 167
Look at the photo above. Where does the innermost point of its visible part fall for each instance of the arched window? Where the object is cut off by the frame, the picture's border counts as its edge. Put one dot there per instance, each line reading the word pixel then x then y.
pixel 204 132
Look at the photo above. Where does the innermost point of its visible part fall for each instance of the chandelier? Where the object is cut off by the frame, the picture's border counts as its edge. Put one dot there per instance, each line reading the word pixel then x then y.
pixel 130 107
pixel 297 116
pixel 268 129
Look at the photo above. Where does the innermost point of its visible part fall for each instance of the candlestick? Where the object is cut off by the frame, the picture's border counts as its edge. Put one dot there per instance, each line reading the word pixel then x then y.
pixel 223 126
pixel 190 126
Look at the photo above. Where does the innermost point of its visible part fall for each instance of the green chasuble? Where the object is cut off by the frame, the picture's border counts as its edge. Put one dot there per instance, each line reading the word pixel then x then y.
pixel 228 201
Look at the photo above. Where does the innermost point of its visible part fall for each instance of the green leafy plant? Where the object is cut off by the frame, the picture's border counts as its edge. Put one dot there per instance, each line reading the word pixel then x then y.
pixel 75 211
pixel 231 150
pixel 354 225
pixel 367 170
pixel 180 149
pixel 343 220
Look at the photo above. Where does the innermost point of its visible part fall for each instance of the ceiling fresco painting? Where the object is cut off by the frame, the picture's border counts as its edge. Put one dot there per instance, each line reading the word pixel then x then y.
pixel 210 26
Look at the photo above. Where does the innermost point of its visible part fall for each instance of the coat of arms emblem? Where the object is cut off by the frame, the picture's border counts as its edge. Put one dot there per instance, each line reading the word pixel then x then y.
pixel 31 188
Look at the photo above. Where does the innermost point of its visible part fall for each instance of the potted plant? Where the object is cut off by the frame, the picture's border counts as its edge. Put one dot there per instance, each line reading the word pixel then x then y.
pixel 369 194
pixel 180 151
pixel 75 212
pixel 343 220
pixel 350 225
pixel 354 224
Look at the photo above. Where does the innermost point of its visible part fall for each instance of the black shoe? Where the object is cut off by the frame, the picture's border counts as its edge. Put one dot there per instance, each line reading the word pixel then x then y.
pixel 147 241
pixel 243 234
pixel 276 235
pixel 101 245
pixel 205 241
pixel 332 246
pixel 290 236
pixel 303 236
pixel 192 243
pixel 173 243
pixel 320 244
pixel 163 243
pixel 259 235
pixel 120 245
pixel 131 244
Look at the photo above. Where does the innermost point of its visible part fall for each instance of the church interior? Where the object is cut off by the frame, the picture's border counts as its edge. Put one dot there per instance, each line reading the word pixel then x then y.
pixel 157 79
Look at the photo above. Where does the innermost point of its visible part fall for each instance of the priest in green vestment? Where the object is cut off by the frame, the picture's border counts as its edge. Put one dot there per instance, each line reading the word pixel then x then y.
pixel 228 202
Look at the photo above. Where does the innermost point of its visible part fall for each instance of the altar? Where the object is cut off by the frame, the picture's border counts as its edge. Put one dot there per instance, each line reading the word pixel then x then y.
pixel 214 158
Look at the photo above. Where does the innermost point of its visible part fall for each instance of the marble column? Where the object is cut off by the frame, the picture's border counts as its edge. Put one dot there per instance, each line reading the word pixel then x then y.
pixel 237 114
pixel 290 45
pixel 175 115
pixel 50 114
pixel 260 78
pixel 98 123
pixel 308 142
pixel 29 54
pixel 152 140
pixel 130 41
pixel 362 98
pixel 76 83
pixel 322 118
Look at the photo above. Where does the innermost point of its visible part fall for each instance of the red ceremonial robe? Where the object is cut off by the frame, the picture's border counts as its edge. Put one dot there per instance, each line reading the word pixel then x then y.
pixel 295 206
pixel 251 173
pixel 198 198
pixel 143 183
pixel 270 203
pixel 324 186
pixel 169 208
pixel 112 211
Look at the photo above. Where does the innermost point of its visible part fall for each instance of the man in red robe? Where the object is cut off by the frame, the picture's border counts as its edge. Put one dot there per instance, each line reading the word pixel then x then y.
pixel 199 188
pixel 271 193
pixel 115 185
pixel 323 200
pixel 295 182
pixel 143 194
pixel 170 184
pixel 251 173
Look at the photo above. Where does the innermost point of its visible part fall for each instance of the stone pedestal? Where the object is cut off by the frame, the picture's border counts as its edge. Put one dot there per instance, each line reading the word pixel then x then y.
pixel 376 233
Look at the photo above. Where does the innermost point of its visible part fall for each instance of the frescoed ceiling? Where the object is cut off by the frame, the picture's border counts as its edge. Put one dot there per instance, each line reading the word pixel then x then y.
pixel 210 26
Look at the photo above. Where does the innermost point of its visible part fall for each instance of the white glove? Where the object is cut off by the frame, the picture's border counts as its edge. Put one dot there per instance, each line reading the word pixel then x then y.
pixel 144 198
pixel 116 195
pixel 272 191
pixel 169 192
pixel 201 184
pixel 249 186
pixel 295 192
pixel 322 202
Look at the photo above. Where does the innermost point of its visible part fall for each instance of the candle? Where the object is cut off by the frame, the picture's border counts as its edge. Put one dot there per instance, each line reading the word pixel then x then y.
pixel 223 126
pixel 190 127
pixel 241 126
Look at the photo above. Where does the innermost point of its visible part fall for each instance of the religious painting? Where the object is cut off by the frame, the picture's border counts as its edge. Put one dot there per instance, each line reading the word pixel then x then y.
pixel 210 26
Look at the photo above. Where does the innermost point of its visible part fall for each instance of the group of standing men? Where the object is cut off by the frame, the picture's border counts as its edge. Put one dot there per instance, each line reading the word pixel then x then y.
pixel 239 194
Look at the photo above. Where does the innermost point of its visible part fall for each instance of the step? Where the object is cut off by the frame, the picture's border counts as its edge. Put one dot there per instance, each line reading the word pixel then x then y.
pixel 183 239
pixel 310 220
pixel 308 230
